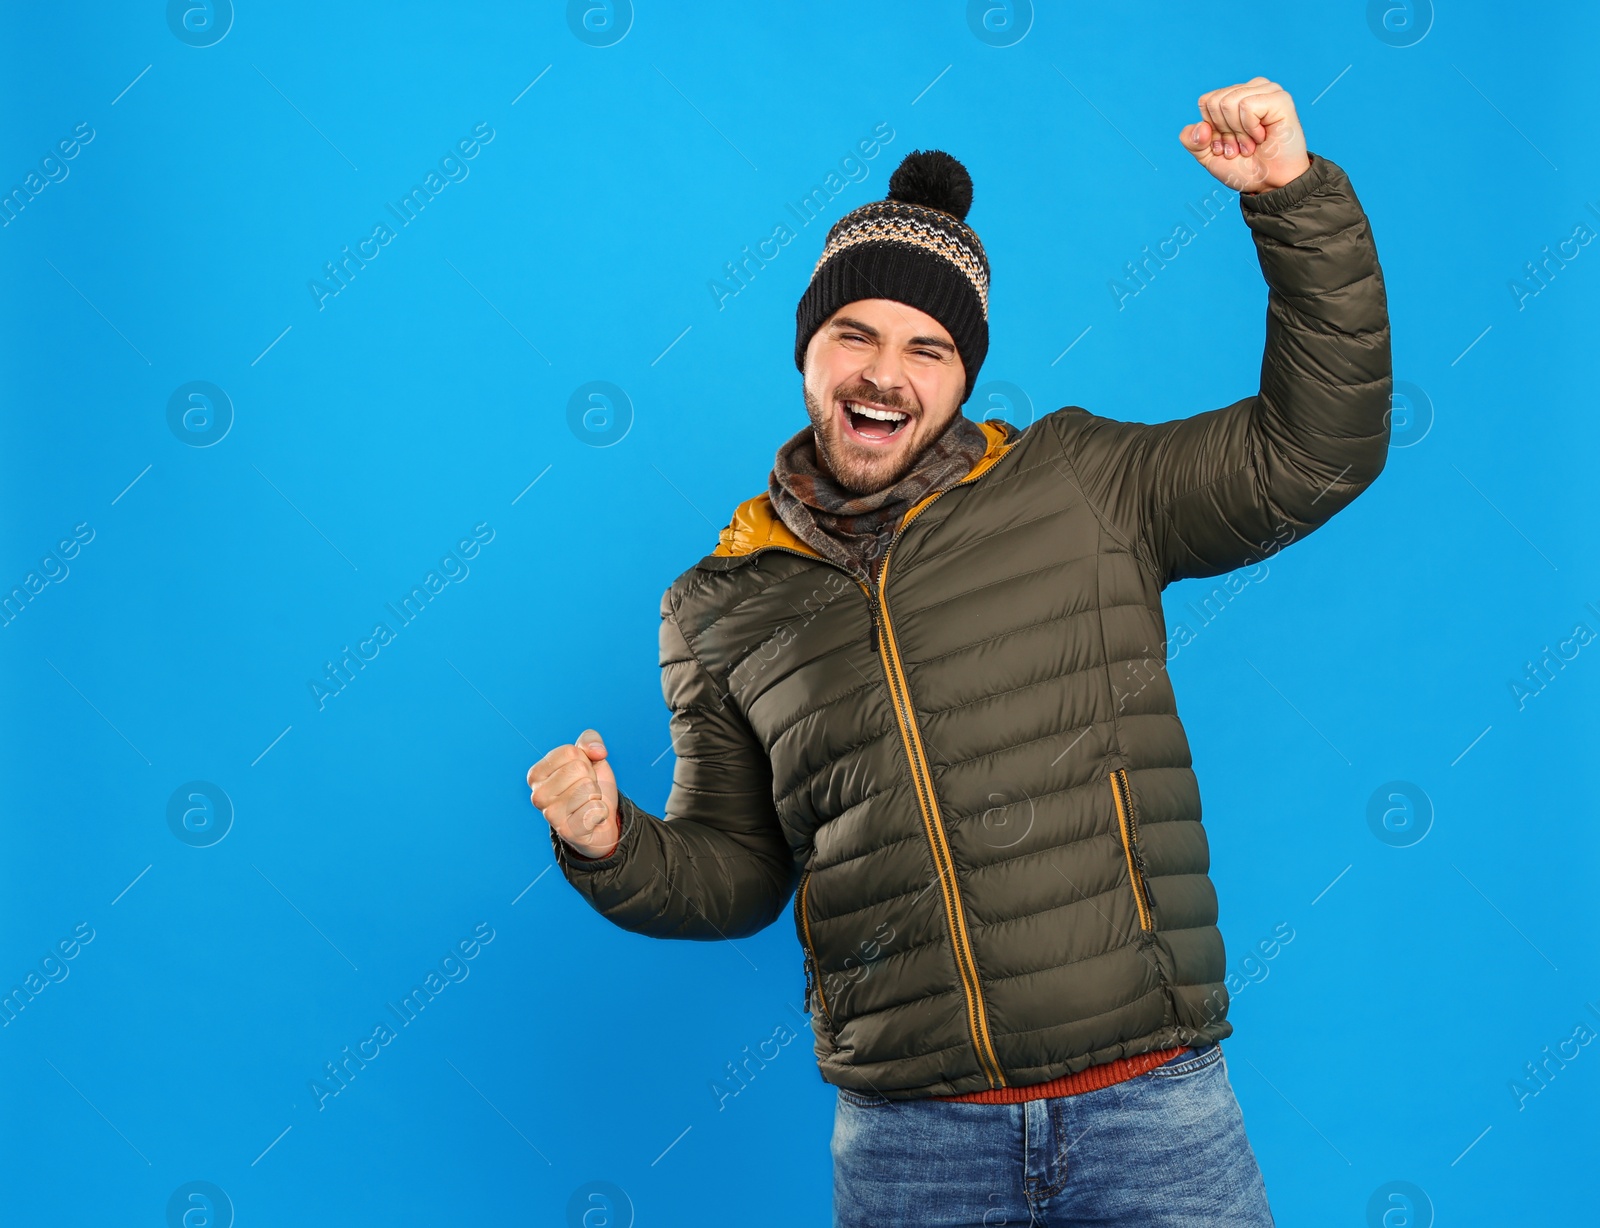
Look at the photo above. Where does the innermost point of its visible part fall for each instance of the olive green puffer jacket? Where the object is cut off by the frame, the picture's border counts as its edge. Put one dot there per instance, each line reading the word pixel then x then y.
pixel 972 776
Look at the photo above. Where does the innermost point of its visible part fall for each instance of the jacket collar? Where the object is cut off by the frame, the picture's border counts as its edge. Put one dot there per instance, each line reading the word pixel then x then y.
pixel 756 526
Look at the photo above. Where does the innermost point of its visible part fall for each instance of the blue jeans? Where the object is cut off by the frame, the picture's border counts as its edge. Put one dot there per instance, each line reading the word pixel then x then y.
pixel 1165 1149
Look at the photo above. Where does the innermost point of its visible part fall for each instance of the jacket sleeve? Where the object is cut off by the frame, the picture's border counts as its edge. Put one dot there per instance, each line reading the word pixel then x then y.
pixel 718 865
pixel 1206 494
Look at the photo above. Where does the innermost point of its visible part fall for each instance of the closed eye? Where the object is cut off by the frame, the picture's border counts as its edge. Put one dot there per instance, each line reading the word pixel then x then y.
pixel 922 352
pixel 858 337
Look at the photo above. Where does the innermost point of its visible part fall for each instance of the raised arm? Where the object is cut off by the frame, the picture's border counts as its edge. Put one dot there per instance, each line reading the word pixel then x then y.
pixel 1209 493
pixel 718 866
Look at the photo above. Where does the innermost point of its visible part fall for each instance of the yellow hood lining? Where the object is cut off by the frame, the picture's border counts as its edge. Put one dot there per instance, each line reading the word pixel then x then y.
pixel 756 526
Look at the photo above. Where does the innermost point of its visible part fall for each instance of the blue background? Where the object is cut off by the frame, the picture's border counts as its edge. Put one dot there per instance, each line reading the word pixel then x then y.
pixel 374 831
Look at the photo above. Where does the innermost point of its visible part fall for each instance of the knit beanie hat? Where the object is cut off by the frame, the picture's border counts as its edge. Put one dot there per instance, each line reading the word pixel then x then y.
pixel 914 247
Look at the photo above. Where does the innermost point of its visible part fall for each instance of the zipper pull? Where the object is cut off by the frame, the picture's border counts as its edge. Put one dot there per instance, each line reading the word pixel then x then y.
pixel 874 640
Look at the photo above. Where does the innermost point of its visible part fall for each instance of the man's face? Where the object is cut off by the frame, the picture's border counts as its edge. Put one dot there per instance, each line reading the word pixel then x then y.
pixel 882 381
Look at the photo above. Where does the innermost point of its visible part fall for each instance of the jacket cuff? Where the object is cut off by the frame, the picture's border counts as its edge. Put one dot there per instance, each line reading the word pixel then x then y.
pixel 573 862
pixel 1292 193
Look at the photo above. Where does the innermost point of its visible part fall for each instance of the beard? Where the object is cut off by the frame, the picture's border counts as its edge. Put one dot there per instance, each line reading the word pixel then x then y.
pixel 844 461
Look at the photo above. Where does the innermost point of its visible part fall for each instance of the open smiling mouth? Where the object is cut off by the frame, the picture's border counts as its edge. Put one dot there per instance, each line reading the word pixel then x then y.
pixel 872 425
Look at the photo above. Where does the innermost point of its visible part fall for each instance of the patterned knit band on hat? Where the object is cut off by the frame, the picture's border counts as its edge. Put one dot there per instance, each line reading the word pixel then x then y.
pixel 914 247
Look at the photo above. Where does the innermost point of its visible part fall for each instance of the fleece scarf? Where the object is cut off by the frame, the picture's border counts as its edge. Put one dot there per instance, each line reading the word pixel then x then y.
pixel 853 530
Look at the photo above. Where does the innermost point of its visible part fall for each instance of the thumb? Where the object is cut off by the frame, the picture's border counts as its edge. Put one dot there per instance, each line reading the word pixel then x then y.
pixel 1196 138
pixel 590 743
pixel 608 784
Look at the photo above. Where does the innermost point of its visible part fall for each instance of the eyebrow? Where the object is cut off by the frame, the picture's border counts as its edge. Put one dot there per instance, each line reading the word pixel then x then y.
pixel 858 326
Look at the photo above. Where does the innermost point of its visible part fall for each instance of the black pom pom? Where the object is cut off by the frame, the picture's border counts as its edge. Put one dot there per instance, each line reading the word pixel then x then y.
pixel 933 178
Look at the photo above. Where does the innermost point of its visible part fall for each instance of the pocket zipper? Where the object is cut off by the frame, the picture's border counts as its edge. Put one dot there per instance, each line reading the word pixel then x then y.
pixel 813 965
pixel 1128 828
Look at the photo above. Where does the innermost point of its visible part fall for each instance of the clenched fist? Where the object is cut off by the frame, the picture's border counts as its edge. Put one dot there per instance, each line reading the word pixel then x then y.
pixel 1249 136
pixel 575 788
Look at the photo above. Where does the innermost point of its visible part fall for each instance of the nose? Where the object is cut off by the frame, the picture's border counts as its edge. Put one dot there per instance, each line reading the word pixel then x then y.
pixel 884 372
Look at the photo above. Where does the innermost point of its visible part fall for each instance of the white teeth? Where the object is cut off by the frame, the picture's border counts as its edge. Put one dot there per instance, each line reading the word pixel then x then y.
pixel 882 415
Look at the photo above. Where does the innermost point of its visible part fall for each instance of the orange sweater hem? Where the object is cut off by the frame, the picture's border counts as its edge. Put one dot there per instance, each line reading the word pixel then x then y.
pixel 1089 1079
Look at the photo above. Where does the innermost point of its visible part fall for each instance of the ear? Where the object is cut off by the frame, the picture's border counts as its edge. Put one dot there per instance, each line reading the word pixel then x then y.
pixel 812 343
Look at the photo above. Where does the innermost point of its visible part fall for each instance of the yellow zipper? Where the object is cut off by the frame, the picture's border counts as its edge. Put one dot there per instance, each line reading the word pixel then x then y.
pixel 938 843
pixel 955 913
pixel 1128 824
pixel 816 964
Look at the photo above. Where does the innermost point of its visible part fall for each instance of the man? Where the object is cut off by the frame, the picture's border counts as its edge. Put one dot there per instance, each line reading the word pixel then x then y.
pixel 920 686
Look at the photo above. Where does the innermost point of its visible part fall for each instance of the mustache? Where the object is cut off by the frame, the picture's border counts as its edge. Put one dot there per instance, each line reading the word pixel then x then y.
pixel 873 397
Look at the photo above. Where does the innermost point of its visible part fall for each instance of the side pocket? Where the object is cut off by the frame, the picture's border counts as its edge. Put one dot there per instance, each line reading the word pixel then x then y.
pixel 813 968
pixel 1128 828
pixel 861 1100
pixel 1192 1063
